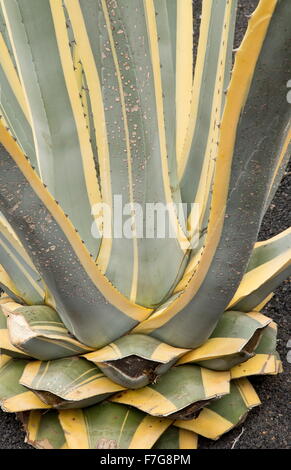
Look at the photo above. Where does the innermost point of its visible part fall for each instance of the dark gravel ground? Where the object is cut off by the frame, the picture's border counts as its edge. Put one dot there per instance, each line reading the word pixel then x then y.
pixel 267 426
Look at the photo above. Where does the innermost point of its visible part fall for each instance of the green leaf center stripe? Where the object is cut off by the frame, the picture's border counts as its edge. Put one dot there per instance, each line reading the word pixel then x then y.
pixel 44 430
pixel 167 73
pixel 211 86
pixel 151 25
pixel 120 74
pixel 203 44
pixel 125 429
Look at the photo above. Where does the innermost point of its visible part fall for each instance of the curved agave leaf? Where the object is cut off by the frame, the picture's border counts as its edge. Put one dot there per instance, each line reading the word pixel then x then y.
pixel 27 282
pixel 224 414
pixel 40 333
pixel 13 396
pixel 269 260
pixel 174 21
pixel 236 208
pixel 6 347
pixel 174 438
pixel 266 359
pixel 62 143
pixel 179 393
pixel 233 341
pixel 43 430
pixel 111 426
pixel 122 67
pixel 135 360
pixel 98 313
pixel 211 73
pixel 12 99
pixel 68 383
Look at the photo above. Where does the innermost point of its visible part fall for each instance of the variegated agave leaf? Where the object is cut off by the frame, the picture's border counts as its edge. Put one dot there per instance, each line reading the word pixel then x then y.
pixel 225 413
pixel 236 207
pixel 111 426
pixel 135 360
pixel 39 332
pixel 233 341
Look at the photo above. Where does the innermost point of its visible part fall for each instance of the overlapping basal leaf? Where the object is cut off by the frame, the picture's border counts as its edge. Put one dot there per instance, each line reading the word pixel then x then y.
pixel 14 397
pixel 39 332
pixel 179 393
pixel 68 383
pixel 233 341
pixel 224 414
pixel 135 360
pixel 111 426
pixel 266 359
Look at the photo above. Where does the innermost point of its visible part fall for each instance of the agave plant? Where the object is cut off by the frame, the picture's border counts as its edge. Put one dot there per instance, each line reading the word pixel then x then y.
pixel 138 341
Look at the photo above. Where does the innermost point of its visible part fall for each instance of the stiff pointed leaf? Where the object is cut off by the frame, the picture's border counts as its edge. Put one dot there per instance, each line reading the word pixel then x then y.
pixel 270 263
pixel 119 50
pixel 174 29
pixel 135 360
pixel 43 430
pixel 68 383
pixel 266 360
pixel 246 155
pixel 224 414
pixel 64 155
pixel 14 397
pixel 179 393
pixel 196 161
pixel 174 438
pixel 233 341
pixel 111 426
pixel 40 333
